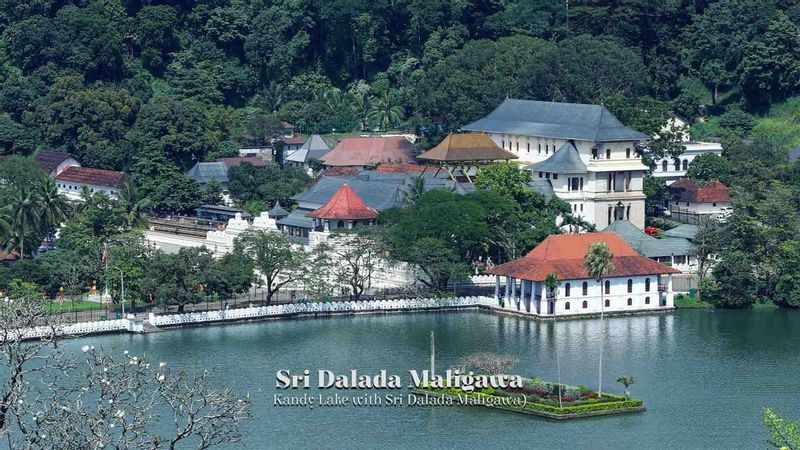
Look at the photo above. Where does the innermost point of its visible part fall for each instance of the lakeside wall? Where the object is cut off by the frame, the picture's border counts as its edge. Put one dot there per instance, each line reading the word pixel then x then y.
pixel 318 308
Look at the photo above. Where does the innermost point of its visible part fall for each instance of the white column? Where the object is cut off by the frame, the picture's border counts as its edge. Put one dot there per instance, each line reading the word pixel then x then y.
pixel 521 295
pixel 513 292
pixel 670 294
pixel 497 288
pixel 508 288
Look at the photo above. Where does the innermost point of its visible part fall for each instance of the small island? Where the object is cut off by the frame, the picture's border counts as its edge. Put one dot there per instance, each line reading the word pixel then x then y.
pixel 541 398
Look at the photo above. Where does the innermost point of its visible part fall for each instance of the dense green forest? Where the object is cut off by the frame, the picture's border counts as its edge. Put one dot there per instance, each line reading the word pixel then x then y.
pixel 150 87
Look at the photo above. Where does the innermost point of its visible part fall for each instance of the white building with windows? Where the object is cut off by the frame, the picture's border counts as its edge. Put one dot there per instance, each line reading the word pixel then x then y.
pixel 587 155
pixel 74 180
pixel 637 283
pixel 671 169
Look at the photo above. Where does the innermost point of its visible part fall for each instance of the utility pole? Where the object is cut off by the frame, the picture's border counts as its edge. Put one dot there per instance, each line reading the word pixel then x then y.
pixel 433 354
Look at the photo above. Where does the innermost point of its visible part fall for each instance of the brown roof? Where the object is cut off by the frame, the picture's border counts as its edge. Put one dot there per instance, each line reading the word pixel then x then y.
pixel 47 161
pixel 233 162
pixel 294 141
pixel 369 151
pixel 467 147
pixel 287 125
pixel 97 177
pixel 400 168
pixel 688 190
pixel 345 204
pixel 563 254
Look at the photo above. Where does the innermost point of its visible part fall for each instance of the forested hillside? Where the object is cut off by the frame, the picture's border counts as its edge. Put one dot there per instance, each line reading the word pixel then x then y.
pixel 150 87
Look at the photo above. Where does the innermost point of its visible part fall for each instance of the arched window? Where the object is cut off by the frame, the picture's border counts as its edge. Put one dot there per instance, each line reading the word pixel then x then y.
pixel 585 288
pixel 647 300
pixel 647 284
pixel 630 302
pixel 585 304
pixel 664 165
pixel 677 165
pixel 685 164
pixel 608 287
pixel 566 290
pixel 630 286
pixel 608 303
pixel 566 305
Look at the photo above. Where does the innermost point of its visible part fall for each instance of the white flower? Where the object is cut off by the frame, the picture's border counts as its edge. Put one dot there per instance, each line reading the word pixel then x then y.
pixel 110 401
pixel 120 413
pixel 20 402
pixel 160 378
pixel 85 348
pixel 162 364
pixel 125 352
pixel 111 425
pixel 135 358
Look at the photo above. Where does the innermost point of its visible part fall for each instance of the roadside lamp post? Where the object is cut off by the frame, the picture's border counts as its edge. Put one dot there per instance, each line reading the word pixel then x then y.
pixel 122 289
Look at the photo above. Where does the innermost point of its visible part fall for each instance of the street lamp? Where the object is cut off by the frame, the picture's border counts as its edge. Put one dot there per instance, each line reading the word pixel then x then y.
pixel 122 288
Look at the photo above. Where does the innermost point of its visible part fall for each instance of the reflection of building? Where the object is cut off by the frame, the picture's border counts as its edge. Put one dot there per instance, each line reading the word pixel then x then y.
pixel 637 283
pixel 677 252
pixel 73 180
pixel 589 158
pixel 693 200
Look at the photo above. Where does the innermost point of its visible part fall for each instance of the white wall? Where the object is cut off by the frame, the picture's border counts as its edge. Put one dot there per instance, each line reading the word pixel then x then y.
pixel 72 190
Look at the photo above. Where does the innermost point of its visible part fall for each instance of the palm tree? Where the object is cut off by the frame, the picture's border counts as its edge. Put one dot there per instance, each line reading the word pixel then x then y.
pixel 55 208
pixel 598 262
pixel 25 206
pixel 552 283
pixel 5 224
pixel 361 107
pixel 131 202
pixel 383 114
pixel 626 380
pixel 415 190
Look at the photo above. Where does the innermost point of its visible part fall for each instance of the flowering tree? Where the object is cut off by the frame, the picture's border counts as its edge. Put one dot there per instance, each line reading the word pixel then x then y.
pixel 51 400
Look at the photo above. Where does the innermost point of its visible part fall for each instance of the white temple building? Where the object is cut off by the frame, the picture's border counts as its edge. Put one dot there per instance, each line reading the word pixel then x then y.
pixel 637 283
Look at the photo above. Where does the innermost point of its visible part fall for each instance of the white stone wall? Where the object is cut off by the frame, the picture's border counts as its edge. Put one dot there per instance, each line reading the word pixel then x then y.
pixel 72 190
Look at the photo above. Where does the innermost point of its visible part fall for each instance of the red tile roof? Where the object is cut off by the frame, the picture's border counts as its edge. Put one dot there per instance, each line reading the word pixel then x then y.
pixel 47 161
pixel 400 168
pixel 96 177
pixel 688 190
pixel 233 162
pixel 370 150
pixel 345 204
pixel 563 254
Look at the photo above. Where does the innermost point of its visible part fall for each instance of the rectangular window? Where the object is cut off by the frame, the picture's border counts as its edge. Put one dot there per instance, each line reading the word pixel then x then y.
pixel 547 175
pixel 517 146
pixel 555 176
pixel 540 149
pixel 540 174
pixel 581 207
pixel 529 147
pixel 627 153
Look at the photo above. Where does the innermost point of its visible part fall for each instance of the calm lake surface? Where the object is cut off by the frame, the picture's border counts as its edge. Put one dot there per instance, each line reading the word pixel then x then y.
pixel 704 376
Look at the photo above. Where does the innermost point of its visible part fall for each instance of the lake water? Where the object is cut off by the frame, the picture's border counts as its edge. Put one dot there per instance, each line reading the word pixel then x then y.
pixel 704 376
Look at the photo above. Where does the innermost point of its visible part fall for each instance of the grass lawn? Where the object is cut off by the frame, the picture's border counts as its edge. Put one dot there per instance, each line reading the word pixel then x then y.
pixel 686 301
pixel 79 306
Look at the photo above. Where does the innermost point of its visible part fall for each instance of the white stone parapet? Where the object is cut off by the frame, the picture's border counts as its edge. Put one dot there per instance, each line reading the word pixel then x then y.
pixel 317 307
pixel 76 329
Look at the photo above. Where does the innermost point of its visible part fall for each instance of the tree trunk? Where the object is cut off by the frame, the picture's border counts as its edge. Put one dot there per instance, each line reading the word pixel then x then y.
pixel 602 340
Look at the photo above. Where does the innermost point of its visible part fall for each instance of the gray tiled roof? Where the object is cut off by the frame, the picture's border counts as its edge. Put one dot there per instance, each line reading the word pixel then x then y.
pixel 297 218
pixel 685 231
pixel 278 211
pixel 376 195
pixel 648 245
pixel 555 120
pixel 542 186
pixel 314 147
pixel 565 160
pixel 205 172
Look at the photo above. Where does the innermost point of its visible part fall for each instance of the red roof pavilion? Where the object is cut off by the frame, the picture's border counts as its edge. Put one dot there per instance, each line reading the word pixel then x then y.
pixel 345 204
pixel 563 254
pixel 95 177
